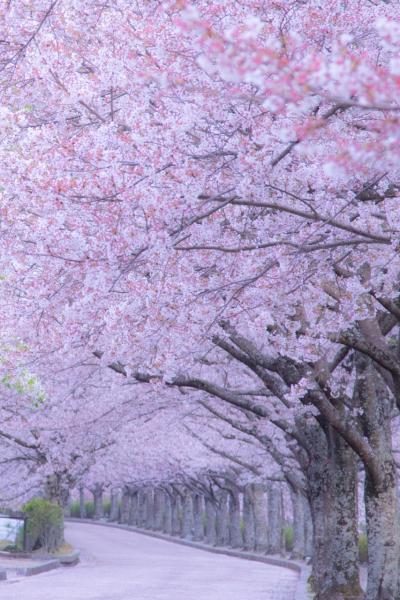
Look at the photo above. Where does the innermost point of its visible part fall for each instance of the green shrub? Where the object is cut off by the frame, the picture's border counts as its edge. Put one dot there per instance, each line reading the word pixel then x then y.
pixel 75 509
pixel 89 509
pixel 288 537
pixel 363 548
pixel 107 507
pixel 45 525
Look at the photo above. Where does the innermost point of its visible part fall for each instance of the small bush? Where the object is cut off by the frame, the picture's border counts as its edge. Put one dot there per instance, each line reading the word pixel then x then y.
pixel 288 538
pixel 45 525
pixel 363 548
pixel 107 507
pixel 89 509
pixel 75 509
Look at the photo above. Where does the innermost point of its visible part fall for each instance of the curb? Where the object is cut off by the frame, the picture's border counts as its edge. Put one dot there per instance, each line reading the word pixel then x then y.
pixel 37 569
pixel 64 559
pixel 70 560
pixel 296 566
pixel 48 563
pixel 12 555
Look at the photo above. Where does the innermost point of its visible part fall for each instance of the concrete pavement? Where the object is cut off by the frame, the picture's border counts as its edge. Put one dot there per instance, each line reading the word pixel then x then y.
pixel 121 565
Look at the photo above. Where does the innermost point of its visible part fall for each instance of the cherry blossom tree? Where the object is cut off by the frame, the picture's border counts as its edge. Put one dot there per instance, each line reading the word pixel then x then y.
pixel 186 183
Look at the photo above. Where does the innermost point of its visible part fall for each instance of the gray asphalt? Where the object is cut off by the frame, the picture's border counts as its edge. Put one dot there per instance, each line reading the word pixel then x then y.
pixel 122 565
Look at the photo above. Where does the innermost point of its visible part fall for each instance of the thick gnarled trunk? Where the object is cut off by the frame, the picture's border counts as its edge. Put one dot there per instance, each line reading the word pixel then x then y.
pixel 331 480
pixel 381 489
pixel 342 473
pixel 381 509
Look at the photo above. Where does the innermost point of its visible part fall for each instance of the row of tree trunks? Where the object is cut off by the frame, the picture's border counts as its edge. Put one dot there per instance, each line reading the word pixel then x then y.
pixel 251 519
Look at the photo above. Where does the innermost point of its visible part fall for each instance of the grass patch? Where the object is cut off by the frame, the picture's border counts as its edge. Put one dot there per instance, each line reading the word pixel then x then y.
pixel 363 548
pixel 288 536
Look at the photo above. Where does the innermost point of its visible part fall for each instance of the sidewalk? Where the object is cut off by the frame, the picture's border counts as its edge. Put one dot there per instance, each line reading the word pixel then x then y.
pixel 15 567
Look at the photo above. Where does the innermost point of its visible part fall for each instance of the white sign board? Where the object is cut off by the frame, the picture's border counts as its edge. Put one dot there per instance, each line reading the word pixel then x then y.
pixel 11 531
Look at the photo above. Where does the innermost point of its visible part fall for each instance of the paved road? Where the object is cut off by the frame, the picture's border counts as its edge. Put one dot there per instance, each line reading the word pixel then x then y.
pixel 121 565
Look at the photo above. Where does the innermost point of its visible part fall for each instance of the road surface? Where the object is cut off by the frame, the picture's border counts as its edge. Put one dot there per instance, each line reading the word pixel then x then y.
pixel 122 565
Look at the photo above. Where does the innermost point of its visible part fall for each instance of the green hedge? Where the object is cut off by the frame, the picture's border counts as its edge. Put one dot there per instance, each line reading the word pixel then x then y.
pixel 75 509
pixel 107 508
pixel 89 509
pixel 288 536
pixel 45 525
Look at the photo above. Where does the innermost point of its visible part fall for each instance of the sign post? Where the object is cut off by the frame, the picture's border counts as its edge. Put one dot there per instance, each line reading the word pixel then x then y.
pixel 13 531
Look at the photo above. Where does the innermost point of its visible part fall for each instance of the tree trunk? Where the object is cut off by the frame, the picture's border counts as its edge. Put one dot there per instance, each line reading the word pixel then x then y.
pixel 249 533
pixel 381 497
pixel 159 509
pixel 198 522
pixel 167 522
pixel 235 532
pixel 211 516
pixel 381 507
pixel 142 508
pixel 114 509
pixel 176 514
pixel 187 517
pixel 125 505
pixel 299 524
pixel 67 507
pixel 331 479
pixel 56 490
pixel 275 521
pixel 260 510
pixel 309 548
pixel 342 472
pixel 222 519
pixel 82 507
pixel 133 508
pixel 149 508
pixel 98 501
